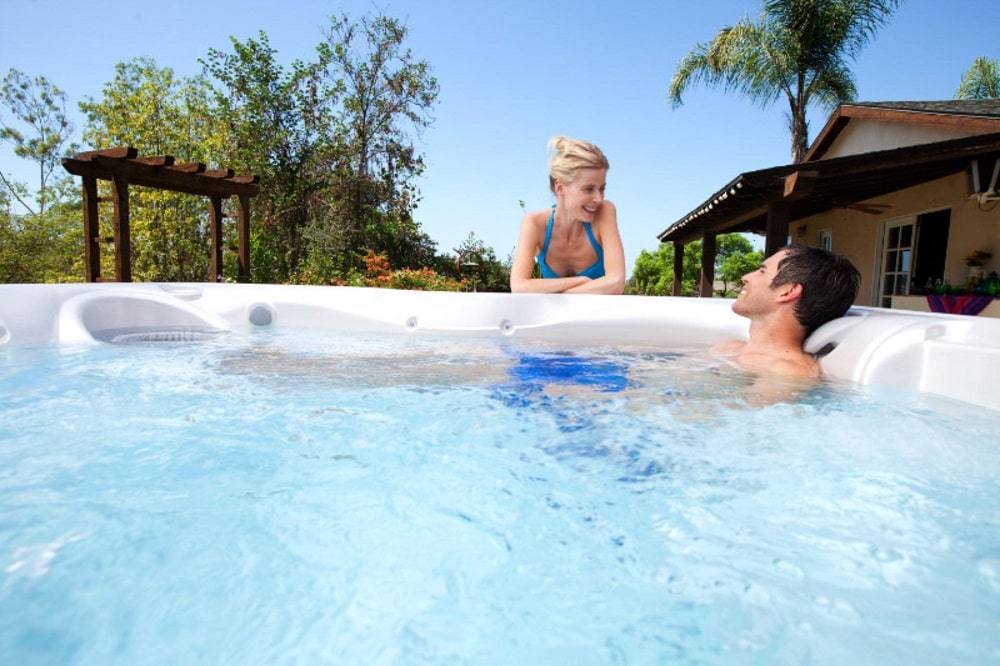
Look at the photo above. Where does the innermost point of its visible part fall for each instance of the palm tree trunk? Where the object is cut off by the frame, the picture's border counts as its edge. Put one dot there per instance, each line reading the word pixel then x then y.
pixel 800 132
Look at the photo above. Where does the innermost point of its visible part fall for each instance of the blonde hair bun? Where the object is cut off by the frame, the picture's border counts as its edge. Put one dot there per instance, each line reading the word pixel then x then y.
pixel 567 156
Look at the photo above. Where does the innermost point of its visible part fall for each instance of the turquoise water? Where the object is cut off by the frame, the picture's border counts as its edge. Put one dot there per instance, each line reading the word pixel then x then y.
pixel 314 498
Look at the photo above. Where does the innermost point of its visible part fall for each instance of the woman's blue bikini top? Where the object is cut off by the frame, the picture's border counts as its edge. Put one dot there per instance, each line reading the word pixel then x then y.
pixel 594 271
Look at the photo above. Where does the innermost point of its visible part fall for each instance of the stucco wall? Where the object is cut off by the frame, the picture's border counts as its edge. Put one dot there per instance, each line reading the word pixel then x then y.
pixel 866 136
pixel 857 234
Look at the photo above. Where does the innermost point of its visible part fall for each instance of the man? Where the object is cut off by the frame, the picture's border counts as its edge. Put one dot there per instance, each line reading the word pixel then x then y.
pixel 794 292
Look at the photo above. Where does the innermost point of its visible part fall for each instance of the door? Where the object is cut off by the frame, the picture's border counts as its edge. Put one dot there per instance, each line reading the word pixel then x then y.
pixel 897 260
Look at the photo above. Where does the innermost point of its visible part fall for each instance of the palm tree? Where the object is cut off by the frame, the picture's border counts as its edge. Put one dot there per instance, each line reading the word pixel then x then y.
pixel 798 49
pixel 982 81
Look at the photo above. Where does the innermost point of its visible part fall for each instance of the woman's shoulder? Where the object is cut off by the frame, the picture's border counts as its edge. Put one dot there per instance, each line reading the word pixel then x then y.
pixel 538 218
pixel 606 220
pixel 608 212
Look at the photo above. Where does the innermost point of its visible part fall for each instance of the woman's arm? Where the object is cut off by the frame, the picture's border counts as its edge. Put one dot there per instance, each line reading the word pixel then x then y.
pixel 606 229
pixel 528 245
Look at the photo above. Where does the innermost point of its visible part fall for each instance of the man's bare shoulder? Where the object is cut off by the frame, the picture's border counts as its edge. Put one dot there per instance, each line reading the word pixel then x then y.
pixel 729 347
pixel 785 364
pixel 801 366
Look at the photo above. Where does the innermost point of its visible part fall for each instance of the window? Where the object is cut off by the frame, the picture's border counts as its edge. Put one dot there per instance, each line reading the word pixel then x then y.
pixel 826 239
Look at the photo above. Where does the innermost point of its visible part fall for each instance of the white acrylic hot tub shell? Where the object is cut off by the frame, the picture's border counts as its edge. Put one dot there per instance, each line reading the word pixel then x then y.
pixel 951 355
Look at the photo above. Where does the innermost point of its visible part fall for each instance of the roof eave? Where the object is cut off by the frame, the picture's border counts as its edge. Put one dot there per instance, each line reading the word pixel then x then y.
pixel 746 206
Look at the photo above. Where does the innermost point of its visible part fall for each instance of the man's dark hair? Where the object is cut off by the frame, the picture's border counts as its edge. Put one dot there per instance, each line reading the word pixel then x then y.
pixel 829 283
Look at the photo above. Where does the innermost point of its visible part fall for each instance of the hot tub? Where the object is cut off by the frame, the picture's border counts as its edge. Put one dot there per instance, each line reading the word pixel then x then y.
pixel 948 355
pixel 196 473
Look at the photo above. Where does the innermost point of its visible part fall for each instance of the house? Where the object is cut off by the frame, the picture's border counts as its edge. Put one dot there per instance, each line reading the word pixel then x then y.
pixel 906 190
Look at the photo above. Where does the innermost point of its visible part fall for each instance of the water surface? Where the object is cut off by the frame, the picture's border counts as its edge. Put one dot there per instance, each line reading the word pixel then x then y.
pixel 316 498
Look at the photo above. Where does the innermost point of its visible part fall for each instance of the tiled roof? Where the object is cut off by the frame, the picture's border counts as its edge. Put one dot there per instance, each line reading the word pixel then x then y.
pixel 963 116
pixel 958 107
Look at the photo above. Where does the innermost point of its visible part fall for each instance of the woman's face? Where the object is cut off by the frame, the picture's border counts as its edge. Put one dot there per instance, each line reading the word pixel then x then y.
pixel 583 196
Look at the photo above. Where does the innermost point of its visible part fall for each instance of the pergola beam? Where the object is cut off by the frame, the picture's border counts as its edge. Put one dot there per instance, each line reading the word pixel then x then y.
pixel 122 166
pixel 202 183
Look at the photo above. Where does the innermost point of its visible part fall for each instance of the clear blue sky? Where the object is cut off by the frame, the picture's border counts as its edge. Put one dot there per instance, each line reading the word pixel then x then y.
pixel 512 74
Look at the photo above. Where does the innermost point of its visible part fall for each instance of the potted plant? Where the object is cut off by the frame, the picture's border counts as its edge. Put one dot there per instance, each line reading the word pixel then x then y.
pixel 975 260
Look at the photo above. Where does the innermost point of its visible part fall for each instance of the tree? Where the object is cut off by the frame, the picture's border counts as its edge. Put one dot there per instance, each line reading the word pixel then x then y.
pixel 797 49
pixel 330 140
pixel 981 81
pixel 477 263
pixel 44 243
pixel 653 274
pixel 387 95
pixel 734 258
pixel 277 122
pixel 39 129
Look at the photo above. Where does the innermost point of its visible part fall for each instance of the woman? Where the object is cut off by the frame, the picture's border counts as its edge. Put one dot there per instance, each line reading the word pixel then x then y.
pixel 576 243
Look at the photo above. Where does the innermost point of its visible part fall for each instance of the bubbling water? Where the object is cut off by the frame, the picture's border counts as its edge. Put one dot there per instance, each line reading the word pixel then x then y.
pixel 314 497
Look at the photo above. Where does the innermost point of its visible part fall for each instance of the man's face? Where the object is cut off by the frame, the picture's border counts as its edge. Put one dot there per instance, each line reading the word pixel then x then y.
pixel 757 296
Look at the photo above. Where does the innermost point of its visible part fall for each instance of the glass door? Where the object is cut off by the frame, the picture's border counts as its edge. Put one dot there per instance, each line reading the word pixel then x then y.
pixel 897 256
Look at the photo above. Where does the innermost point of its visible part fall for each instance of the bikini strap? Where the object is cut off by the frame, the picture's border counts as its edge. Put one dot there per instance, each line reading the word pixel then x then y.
pixel 548 234
pixel 593 241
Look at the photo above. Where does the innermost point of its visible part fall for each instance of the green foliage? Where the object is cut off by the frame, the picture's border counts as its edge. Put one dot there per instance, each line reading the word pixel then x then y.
pixel 384 95
pixel 734 258
pixel 42 247
pixel 653 274
pixel 264 258
pixel 276 122
pixel 477 264
pixel 798 50
pixel 653 271
pixel 981 81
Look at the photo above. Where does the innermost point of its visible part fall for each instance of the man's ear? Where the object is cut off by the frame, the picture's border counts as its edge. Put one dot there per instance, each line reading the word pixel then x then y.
pixel 790 292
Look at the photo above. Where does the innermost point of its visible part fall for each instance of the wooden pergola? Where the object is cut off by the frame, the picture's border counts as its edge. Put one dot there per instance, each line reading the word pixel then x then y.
pixel 123 167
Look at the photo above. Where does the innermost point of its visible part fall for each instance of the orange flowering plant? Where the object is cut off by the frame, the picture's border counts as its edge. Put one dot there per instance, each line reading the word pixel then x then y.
pixel 378 273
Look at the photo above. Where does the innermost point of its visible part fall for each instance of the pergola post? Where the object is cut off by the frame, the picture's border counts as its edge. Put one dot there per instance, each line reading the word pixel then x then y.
pixel 778 215
pixel 215 234
pixel 779 212
pixel 243 233
pixel 678 269
pixel 707 265
pixel 91 232
pixel 123 238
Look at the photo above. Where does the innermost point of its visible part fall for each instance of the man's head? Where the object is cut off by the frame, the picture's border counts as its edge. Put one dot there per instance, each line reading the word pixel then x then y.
pixel 829 283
